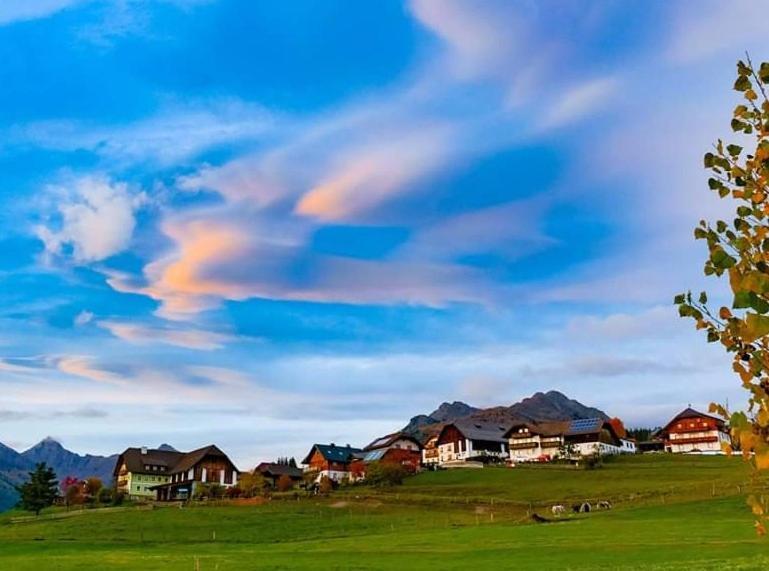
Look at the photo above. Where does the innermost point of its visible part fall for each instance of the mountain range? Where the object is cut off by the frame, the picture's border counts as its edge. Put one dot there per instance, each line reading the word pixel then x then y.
pixel 551 405
pixel 14 466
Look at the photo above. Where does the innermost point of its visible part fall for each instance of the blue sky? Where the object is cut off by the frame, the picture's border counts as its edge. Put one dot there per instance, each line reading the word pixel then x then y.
pixel 268 224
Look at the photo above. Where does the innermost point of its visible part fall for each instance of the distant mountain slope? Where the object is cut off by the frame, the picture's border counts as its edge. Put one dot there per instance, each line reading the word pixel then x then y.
pixel 551 405
pixel 66 463
pixel 15 466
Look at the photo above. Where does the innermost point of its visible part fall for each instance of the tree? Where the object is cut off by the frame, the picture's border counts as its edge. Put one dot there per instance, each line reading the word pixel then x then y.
pixel 385 474
pixel 91 488
pixel 325 485
pixel 40 491
pixel 252 484
pixel 740 251
pixel 285 483
pixel 105 495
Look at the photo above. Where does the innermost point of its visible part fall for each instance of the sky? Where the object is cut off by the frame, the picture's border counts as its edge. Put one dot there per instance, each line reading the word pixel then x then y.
pixel 269 224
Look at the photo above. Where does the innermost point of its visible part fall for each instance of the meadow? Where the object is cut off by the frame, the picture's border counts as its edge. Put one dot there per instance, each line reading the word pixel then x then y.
pixel 669 513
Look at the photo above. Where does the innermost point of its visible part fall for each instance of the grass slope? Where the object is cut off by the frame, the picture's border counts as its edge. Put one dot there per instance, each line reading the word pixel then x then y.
pixel 427 526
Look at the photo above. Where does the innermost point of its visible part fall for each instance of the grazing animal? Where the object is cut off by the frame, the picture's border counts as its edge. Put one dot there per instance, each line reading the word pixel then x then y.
pixel 604 505
pixel 558 510
pixel 584 507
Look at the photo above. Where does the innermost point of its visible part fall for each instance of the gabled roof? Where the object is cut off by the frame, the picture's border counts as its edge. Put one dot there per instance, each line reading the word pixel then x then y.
pixel 480 430
pixel 549 428
pixel 190 459
pixel 689 412
pixel 332 453
pixel 389 439
pixel 274 469
pixel 587 426
pixel 135 460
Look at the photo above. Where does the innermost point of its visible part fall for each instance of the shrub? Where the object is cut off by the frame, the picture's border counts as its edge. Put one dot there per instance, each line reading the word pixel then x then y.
pixel 325 485
pixel 385 474
pixel 285 483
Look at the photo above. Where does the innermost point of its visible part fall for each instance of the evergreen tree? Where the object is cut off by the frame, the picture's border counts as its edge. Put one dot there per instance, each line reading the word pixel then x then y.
pixel 292 462
pixel 40 491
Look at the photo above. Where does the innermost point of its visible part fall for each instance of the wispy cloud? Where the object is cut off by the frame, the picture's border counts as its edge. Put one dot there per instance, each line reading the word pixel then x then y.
pixel 189 338
pixel 23 10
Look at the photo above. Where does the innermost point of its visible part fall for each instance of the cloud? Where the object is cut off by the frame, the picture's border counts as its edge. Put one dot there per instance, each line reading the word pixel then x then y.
pixel 707 27
pixel 83 318
pixel 218 259
pixel 179 131
pixel 96 220
pixel 87 368
pixel 146 335
pixel 22 10
pixel 368 175
pixel 579 100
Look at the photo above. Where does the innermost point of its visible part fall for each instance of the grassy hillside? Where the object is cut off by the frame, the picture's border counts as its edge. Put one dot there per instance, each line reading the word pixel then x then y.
pixel 426 524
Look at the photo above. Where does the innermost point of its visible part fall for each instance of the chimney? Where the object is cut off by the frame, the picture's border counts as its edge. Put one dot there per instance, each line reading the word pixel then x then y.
pixel 333 445
pixel 144 449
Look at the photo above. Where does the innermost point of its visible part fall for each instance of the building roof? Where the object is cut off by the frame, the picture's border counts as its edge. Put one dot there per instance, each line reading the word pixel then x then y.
pixel 274 469
pixel 173 461
pixel 549 428
pixel 480 430
pixel 689 412
pixel 332 453
pixel 191 458
pixel 587 426
pixel 135 459
pixel 389 439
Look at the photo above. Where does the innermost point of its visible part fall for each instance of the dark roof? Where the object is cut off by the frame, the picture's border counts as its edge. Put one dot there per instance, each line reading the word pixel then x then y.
pixel 549 428
pixel 274 469
pixel 481 430
pixel 189 459
pixel 173 461
pixel 332 453
pixel 135 460
pixel 689 412
pixel 586 426
pixel 389 439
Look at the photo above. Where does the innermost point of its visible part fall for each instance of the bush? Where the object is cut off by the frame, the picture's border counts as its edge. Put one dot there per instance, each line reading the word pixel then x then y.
pixel 285 483
pixel 385 474
pixel 105 496
pixel 325 485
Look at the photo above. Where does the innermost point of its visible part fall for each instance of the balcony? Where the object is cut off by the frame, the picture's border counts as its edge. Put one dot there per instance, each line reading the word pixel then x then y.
pixel 523 445
pixel 697 440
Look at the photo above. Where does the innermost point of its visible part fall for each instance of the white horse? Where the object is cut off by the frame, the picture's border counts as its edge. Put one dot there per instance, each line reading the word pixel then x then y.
pixel 558 510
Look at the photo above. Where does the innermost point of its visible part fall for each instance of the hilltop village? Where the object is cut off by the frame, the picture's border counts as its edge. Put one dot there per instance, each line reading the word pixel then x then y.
pixel 166 474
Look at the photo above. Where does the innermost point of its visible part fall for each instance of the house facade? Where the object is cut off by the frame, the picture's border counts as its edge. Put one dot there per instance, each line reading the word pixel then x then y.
pixel 430 455
pixel 272 472
pixel 591 437
pixel 694 432
pixel 544 441
pixel 207 465
pixel 330 460
pixel 138 470
pixel 397 448
pixel 465 440
pixel 536 442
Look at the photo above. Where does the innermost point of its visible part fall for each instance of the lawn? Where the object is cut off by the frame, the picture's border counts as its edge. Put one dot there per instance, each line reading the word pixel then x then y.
pixel 427 524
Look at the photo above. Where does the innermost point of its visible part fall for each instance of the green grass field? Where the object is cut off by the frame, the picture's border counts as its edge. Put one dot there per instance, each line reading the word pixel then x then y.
pixel 670 513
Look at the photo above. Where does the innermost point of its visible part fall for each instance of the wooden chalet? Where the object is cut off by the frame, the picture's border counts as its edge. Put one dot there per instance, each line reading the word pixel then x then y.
pixel 472 439
pixel 536 442
pixel 138 470
pixel 207 465
pixel 330 460
pixel 396 448
pixel 694 432
pixel 544 441
pixel 430 455
pixel 592 436
pixel 272 472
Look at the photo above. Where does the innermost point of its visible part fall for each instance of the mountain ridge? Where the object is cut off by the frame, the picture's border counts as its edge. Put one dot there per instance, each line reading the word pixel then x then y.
pixel 541 406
